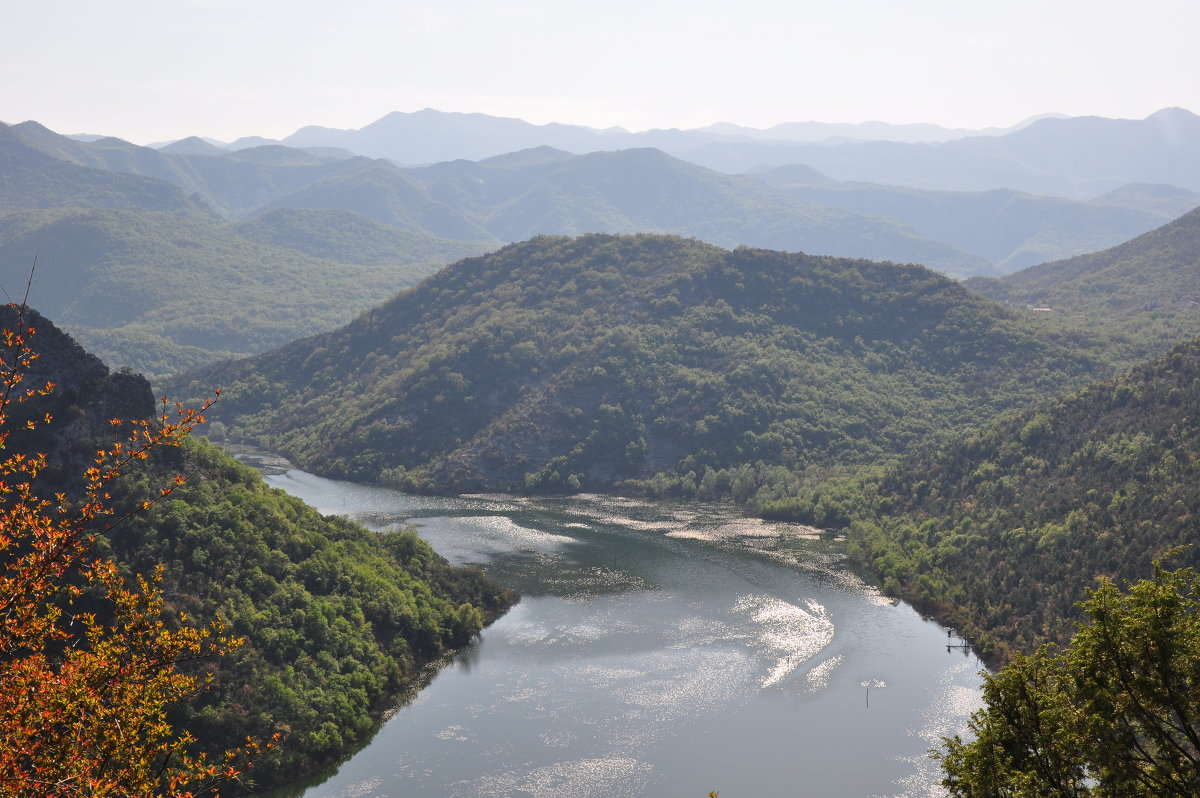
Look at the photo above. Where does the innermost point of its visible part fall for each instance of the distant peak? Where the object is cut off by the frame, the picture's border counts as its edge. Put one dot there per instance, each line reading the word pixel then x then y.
pixel 1174 113
pixel 29 124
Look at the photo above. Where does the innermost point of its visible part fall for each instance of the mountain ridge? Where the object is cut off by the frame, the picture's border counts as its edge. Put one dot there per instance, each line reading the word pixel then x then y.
pixel 1050 155
pixel 1141 294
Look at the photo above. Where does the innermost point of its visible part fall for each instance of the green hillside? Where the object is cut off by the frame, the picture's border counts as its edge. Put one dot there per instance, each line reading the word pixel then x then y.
pixel 1001 532
pixel 383 192
pixel 349 237
pixel 563 364
pixel 338 620
pixel 230 183
pixel 29 178
pixel 1136 299
pixel 162 292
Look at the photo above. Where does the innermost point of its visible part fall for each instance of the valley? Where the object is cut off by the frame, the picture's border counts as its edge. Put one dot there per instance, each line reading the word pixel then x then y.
pixel 544 396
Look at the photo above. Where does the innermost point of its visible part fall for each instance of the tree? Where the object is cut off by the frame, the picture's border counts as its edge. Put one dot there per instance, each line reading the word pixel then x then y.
pixel 90 659
pixel 1115 714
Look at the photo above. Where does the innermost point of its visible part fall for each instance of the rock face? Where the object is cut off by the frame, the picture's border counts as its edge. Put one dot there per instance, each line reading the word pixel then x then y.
pixel 86 396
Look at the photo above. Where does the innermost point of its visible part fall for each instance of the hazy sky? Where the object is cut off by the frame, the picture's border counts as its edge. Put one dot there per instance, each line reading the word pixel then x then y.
pixel 149 70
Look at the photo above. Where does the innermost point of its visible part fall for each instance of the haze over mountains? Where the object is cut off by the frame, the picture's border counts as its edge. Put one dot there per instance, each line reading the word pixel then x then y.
pixel 1078 157
pixel 429 136
pixel 512 197
pixel 386 226
pixel 1011 229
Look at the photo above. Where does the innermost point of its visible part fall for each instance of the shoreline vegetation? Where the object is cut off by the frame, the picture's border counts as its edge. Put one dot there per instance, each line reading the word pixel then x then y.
pixel 334 619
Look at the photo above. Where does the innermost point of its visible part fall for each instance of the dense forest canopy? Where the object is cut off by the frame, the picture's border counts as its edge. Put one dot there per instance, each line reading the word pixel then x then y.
pixel 1002 530
pixel 1117 713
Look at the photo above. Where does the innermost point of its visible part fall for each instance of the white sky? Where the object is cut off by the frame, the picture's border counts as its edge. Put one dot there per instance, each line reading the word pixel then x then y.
pixel 149 70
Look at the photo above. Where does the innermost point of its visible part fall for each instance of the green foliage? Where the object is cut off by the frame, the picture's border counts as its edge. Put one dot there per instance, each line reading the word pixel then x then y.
pixel 1001 531
pixel 1127 303
pixel 1115 714
pixel 565 364
pixel 337 619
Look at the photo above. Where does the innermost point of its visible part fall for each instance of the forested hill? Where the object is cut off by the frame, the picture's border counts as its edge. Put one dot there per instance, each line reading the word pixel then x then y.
pixel 32 178
pixel 1003 531
pixel 565 364
pixel 1144 294
pixel 337 619
pixel 162 292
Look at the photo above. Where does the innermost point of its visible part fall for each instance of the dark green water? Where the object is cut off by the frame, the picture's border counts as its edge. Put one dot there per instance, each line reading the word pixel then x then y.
pixel 658 650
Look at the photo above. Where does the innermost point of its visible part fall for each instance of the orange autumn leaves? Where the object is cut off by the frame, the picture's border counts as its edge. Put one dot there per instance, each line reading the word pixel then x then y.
pixel 90 660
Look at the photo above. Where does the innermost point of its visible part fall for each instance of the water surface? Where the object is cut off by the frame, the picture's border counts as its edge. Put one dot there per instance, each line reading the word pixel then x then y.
pixel 658 650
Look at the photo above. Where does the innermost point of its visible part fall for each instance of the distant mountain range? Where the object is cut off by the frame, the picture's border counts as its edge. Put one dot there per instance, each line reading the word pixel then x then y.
pixel 513 196
pixel 837 133
pixel 544 190
pixel 1011 229
pixel 430 136
pixel 160 291
pixel 353 229
pixel 1077 157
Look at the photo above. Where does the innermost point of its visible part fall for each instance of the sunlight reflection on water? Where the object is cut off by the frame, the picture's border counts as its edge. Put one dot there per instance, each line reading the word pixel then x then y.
pixel 653 641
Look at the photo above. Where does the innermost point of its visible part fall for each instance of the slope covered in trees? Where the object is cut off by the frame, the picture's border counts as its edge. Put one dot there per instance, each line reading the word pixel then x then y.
pixel 30 178
pixel 564 364
pixel 124 282
pixel 1138 298
pixel 337 619
pixel 1002 531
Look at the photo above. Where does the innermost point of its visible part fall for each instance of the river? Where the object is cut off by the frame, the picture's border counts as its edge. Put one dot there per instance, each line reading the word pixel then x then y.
pixel 658 650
